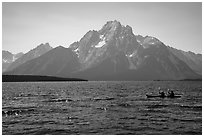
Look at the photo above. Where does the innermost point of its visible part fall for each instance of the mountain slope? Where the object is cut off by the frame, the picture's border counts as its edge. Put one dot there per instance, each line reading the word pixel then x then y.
pixel 194 61
pixel 36 52
pixel 8 58
pixel 173 67
pixel 59 61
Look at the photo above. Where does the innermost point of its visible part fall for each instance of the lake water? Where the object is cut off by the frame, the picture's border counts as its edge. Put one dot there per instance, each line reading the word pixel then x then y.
pixel 101 108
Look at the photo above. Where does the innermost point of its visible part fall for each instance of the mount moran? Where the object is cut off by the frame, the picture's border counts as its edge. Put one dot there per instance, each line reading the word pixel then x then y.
pixel 111 53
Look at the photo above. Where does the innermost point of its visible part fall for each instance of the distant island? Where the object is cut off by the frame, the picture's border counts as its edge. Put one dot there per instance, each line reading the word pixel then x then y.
pixel 35 78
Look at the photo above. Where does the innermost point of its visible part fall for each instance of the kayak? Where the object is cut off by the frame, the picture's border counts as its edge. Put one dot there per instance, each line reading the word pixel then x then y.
pixel 174 96
pixel 159 96
pixel 155 96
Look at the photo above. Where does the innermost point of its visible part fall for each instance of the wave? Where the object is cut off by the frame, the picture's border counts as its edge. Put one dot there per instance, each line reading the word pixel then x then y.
pixel 17 112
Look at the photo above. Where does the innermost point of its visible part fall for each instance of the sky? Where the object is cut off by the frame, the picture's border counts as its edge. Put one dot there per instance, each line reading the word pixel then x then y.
pixel 27 25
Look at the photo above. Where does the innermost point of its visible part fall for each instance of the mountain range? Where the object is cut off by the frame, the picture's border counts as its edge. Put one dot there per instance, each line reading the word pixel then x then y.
pixel 34 53
pixel 111 53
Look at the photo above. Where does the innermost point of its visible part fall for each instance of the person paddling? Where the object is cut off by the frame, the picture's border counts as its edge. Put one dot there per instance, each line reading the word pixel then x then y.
pixel 170 93
pixel 162 94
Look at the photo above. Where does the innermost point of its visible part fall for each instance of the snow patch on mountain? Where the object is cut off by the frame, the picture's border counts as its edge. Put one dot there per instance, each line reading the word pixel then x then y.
pixel 131 55
pixel 102 42
pixel 77 51
pixel 6 61
pixel 146 56
pixel 139 42
pixel 101 36
pixel 152 43
pixel 14 58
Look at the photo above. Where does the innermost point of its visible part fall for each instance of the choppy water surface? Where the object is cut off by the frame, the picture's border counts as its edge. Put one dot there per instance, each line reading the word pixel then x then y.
pixel 100 108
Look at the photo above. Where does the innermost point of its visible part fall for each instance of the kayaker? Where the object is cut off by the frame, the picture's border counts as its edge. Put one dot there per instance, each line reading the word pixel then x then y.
pixel 162 94
pixel 171 93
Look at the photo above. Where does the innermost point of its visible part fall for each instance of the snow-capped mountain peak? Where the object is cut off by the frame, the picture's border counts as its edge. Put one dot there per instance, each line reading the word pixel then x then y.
pixel 114 53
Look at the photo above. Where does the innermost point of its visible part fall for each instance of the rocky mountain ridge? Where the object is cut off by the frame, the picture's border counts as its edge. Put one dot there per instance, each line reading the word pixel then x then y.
pixel 34 53
pixel 113 53
pixel 8 58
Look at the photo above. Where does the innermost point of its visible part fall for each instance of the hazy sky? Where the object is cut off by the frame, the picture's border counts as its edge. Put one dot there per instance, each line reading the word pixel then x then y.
pixel 26 25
